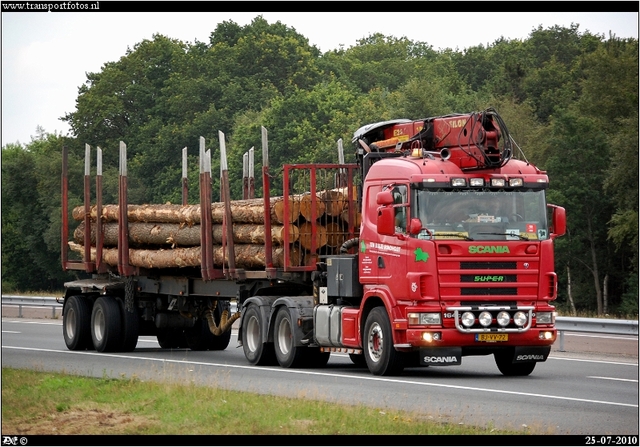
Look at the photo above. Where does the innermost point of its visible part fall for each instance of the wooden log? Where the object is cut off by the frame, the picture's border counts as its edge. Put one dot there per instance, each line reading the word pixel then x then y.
pixel 305 235
pixel 278 210
pixel 249 211
pixel 344 216
pixel 306 206
pixel 335 201
pixel 247 256
pixel 336 235
pixel 176 235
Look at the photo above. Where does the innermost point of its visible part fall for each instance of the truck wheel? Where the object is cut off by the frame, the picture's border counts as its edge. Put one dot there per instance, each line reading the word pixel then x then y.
pixel 505 364
pixel 256 350
pixel 358 359
pixel 314 358
pixel 130 328
pixel 106 325
pixel 381 357
pixel 76 323
pixel 288 355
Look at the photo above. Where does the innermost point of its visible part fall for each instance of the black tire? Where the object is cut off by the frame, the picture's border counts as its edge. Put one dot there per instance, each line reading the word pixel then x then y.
pixel 220 342
pixel 106 325
pixel 381 357
pixel 199 337
pixel 76 323
pixel 504 362
pixel 288 354
pixel 358 359
pixel 256 350
pixel 314 358
pixel 171 338
pixel 130 328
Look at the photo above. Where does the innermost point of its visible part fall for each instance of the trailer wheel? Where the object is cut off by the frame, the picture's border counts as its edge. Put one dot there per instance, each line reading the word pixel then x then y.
pixel 130 328
pixel 76 323
pixel 288 355
pixel 199 337
pixel 171 338
pixel 106 325
pixel 504 361
pixel 220 342
pixel 256 350
pixel 381 357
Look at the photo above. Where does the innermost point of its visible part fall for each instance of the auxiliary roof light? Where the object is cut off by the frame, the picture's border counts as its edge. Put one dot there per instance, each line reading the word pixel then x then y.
pixel 458 182
pixel 476 182
pixel 515 182
pixel 497 182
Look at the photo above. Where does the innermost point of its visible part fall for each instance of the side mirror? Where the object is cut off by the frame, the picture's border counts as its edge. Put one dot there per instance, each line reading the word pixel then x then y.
pixel 386 220
pixel 384 198
pixel 558 221
pixel 415 226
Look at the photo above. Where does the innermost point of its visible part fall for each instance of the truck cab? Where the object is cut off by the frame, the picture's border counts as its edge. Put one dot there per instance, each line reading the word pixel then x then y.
pixel 458 256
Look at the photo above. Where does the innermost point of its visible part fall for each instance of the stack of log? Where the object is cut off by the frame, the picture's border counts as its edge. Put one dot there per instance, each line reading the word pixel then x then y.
pixel 167 236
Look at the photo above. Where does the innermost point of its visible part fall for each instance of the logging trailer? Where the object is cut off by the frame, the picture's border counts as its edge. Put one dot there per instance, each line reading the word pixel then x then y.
pixel 436 244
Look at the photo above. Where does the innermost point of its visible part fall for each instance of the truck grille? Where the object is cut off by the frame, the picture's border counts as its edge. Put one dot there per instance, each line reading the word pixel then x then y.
pixel 506 279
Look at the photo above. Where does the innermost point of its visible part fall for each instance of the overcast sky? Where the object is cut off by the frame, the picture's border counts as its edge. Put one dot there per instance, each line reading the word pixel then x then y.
pixel 45 56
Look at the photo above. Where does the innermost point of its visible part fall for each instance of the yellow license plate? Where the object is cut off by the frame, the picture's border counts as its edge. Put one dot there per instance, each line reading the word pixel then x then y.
pixel 492 337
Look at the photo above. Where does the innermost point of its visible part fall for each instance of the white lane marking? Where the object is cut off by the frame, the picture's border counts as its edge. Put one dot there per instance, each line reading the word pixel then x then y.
pixel 313 373
pixel 11 332
pixel 613 378
pixel 593 361
pixel 58 323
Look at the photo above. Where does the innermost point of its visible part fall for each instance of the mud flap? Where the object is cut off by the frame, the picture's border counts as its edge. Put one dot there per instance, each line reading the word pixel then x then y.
pixel 441 356
pixel 527 354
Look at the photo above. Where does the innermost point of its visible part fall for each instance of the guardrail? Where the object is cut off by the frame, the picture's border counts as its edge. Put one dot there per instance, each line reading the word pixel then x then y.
pixel 594 325
pixel 44 301
pixel 32 301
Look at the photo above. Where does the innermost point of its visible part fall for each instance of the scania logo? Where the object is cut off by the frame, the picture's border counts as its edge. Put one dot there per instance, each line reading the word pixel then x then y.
pixel 530 357
pixel 447 359
pixel 474 249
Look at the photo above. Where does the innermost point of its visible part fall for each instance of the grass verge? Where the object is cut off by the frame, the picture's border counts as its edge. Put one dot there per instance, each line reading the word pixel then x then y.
pixel 45 403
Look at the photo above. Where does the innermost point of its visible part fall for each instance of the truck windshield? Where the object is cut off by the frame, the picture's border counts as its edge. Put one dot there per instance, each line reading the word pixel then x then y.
pixel 480 214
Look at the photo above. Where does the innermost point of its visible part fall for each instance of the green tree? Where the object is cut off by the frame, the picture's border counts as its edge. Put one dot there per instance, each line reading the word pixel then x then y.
pixel 577 170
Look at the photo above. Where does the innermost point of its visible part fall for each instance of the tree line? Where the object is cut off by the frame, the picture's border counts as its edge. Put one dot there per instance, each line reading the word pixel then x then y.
pixel 569 98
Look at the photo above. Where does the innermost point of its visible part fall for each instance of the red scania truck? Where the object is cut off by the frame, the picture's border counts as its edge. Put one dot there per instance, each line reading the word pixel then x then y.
pixel 445 251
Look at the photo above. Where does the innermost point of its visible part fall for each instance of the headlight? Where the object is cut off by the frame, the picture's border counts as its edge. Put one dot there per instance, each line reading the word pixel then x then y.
pixel 520 319
pixel 545 317
pixel 416 318
pixel 503 318
pixel 485 318
pixel 468 319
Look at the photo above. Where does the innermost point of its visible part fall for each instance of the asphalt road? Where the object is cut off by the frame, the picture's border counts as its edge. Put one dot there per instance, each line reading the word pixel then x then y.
pixel 589 389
